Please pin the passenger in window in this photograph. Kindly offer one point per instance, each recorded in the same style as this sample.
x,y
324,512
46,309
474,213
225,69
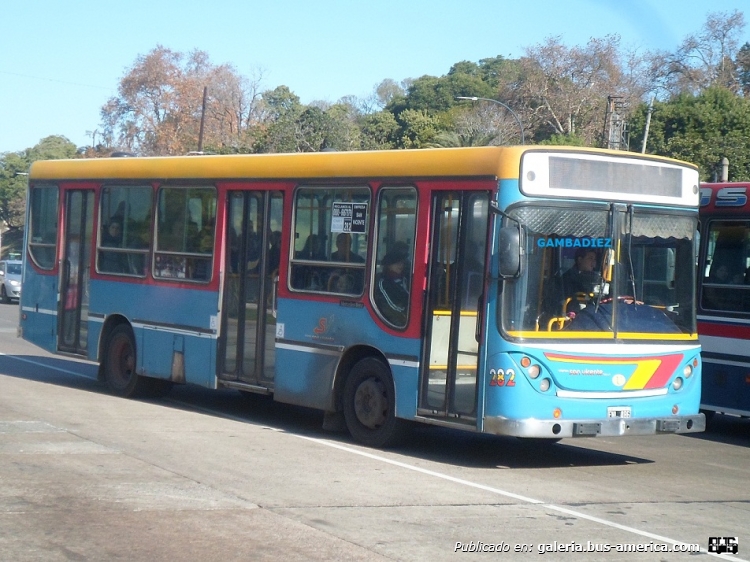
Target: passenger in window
x,y
112,262
392,288
344,250
309,277
206,237
355,278
112,235
725,277
313,249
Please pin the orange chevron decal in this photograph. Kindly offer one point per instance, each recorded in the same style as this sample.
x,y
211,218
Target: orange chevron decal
x,y
648,372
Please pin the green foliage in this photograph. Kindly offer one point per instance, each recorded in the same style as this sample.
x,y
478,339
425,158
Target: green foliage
x,y
451,139
564,140
435,95
417,128
14,168
54,147
702,129
379,131
290,126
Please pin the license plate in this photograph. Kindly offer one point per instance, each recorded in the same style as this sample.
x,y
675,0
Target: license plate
x,y
618,412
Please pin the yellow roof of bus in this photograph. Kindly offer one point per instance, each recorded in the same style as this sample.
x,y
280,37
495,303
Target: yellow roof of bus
x,y
494,162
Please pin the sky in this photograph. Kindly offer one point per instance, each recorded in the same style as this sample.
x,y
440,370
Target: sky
x,y
61,61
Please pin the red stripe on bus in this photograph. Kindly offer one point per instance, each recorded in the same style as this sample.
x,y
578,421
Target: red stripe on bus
x,y
723,330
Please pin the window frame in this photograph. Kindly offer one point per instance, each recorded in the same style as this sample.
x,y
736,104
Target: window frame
x,y
124,250
186,260
735,294
328,272
378,255
31,244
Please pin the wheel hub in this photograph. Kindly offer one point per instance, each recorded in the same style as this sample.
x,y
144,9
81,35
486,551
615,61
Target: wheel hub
x,y
371,403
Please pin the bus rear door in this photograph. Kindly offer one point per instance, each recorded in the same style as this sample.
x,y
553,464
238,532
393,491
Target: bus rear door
x,y
73,304
253,239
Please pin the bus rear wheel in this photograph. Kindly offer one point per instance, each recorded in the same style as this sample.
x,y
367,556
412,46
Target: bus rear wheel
x,y
120,363
370,405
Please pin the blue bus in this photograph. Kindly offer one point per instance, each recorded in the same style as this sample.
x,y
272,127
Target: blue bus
x,y
724,297
535,292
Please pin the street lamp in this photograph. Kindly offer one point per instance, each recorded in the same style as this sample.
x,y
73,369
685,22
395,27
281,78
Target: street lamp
x,y
513,113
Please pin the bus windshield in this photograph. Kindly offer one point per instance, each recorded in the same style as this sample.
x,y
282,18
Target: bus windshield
x,y
611,271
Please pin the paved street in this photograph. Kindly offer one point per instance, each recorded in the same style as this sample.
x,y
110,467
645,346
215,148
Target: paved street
x,y
206,475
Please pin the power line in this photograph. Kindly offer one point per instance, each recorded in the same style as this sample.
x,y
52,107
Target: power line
x,y
55,80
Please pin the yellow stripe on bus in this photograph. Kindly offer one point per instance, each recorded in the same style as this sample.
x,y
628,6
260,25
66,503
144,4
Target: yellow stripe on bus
x,y
448,313
490,162
603,335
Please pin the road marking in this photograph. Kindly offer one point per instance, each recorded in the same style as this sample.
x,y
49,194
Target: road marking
x,y
505,493
475,485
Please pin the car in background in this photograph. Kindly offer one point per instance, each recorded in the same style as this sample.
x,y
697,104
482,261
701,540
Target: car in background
x,y
10,280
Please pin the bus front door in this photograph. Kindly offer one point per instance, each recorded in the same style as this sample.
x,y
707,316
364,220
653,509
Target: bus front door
x,y
253,243
73,302
448,386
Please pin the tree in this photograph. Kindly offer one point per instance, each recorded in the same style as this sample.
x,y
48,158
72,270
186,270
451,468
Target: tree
x,y
702,129
378,131
563,91
704,59
14,168
158,109
743,69
417,128
483,123
276,127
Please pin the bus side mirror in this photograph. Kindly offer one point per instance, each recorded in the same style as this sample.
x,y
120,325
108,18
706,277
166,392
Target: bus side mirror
x,y
509,251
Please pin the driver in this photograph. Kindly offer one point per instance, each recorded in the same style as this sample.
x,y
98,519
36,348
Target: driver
x,y
582,277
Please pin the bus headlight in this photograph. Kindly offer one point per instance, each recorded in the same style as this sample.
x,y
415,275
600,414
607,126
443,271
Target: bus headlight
x,y
544,385
677,384
534,371
687,371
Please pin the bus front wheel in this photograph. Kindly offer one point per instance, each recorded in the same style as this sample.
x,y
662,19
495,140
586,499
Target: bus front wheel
x,y
120,362
370,405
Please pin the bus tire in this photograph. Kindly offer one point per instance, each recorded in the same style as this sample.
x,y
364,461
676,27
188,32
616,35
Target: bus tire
x,y
120,362
370,405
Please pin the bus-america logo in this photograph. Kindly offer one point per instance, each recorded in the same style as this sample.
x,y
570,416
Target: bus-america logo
x,y
574,242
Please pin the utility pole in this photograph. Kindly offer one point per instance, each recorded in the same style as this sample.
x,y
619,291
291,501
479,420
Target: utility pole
x,y
203,119
648,124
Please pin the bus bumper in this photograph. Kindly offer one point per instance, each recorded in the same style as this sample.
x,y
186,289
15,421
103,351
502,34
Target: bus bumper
x,y
557,429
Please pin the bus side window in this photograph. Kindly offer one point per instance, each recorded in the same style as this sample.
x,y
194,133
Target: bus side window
x,y
394,254
725,281
185,233
124,240
42,240
326,218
